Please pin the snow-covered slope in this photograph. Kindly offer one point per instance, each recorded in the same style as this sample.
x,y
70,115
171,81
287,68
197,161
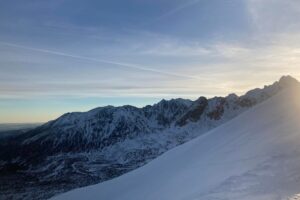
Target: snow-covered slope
x,y
84,148
256,156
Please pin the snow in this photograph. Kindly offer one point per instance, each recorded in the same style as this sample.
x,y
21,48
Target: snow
x,y
255,156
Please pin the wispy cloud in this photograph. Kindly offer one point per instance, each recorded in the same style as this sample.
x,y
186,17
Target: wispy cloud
x,y
274,16
120,64
175,49
177,9
207,50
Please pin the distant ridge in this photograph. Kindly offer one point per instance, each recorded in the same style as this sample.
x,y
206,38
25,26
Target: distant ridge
x,y
17,126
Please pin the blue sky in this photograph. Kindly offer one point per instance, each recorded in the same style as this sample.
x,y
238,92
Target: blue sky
x,y
59,56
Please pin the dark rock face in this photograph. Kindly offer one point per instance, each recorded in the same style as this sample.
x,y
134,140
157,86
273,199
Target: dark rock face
x,y
166,112
246,102
219,109
195,112
80,149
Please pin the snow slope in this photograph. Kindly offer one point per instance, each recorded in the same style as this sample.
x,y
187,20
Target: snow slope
x,y
255,156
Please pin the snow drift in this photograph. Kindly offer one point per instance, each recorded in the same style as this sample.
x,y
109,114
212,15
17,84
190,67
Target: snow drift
x,y
255,156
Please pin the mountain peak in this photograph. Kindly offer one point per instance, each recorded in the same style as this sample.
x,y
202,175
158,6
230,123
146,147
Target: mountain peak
x,y
288,81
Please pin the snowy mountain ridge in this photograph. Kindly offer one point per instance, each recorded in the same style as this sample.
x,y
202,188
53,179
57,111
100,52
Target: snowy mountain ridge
x,y
255,156
79,149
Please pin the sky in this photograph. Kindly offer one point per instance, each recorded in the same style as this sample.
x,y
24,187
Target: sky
x,y
71,55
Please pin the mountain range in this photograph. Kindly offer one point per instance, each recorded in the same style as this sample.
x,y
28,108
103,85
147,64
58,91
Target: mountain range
x,y
255,156
84,148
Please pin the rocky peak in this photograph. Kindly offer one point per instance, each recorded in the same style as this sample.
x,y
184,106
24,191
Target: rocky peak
x,y
287,81
165,112
194,112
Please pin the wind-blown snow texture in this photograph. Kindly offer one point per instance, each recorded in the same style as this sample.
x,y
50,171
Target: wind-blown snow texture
x,y
256,156
80,149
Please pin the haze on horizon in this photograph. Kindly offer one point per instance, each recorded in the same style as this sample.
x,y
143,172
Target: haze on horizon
x,y
60,56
